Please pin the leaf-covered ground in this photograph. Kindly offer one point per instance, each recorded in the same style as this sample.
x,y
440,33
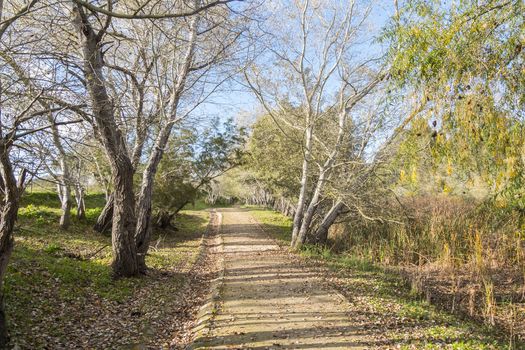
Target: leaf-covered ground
x,y
396,317
59,293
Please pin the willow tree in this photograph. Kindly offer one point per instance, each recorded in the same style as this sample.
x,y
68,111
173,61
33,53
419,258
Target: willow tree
x,y
467,59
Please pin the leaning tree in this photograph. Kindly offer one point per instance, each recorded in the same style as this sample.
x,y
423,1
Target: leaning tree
x,y
321,75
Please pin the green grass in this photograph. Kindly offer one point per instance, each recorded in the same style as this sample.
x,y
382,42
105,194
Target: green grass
x,y
279,225
418,325
55,275
44,207
200,204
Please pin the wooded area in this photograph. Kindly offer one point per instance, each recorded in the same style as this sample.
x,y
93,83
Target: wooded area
x,y
391,134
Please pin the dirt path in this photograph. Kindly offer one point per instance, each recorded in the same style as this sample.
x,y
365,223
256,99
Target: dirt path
x,y
267,301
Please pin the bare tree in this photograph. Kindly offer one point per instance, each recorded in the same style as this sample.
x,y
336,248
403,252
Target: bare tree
x,y
63,178
146,190
210,42
14,118
64,61
199,53
123,229
314,66
137,99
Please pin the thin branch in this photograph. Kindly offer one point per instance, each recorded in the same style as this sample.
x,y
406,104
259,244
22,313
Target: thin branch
x,y
111,13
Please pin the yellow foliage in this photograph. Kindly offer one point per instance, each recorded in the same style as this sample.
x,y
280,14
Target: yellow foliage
x,y
449,167
413,175
511,167
446,254
478,251
402,176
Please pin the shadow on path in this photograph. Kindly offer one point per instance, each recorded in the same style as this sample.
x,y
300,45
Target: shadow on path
x,y
267,301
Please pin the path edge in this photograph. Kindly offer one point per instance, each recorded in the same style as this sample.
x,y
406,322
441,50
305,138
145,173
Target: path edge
x,y
204,318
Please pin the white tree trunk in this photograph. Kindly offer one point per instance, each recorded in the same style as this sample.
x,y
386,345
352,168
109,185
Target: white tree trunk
x,y
310,211
297,220
79,198
323,176
64,193
321,234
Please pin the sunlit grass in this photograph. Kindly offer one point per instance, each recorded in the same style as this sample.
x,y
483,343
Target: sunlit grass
x,y
277,224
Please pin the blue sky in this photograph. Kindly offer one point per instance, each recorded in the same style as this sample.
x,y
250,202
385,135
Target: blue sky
x,y
236,101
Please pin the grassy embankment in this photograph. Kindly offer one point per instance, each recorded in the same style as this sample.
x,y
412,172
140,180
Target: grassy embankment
x,y
59,292
412,322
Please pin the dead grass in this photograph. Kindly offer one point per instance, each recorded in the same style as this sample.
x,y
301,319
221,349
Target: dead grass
x,y
463,255
416,292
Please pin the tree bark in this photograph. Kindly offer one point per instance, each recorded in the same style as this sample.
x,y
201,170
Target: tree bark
x,y
64,193
323,176
105,218
321,234
180,207
8,217
143,230
297,220
164,219
123,228
310,211
81,205
64,188
144,202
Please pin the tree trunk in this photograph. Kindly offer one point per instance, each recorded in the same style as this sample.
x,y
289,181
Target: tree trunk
x,y
181,207
290,210
8,216
81,205
64,188
321,234
64,193
305,225
144,203
323,176
297,220
7,222
143,230
143,209
105,218
123,229
310,211
164,219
